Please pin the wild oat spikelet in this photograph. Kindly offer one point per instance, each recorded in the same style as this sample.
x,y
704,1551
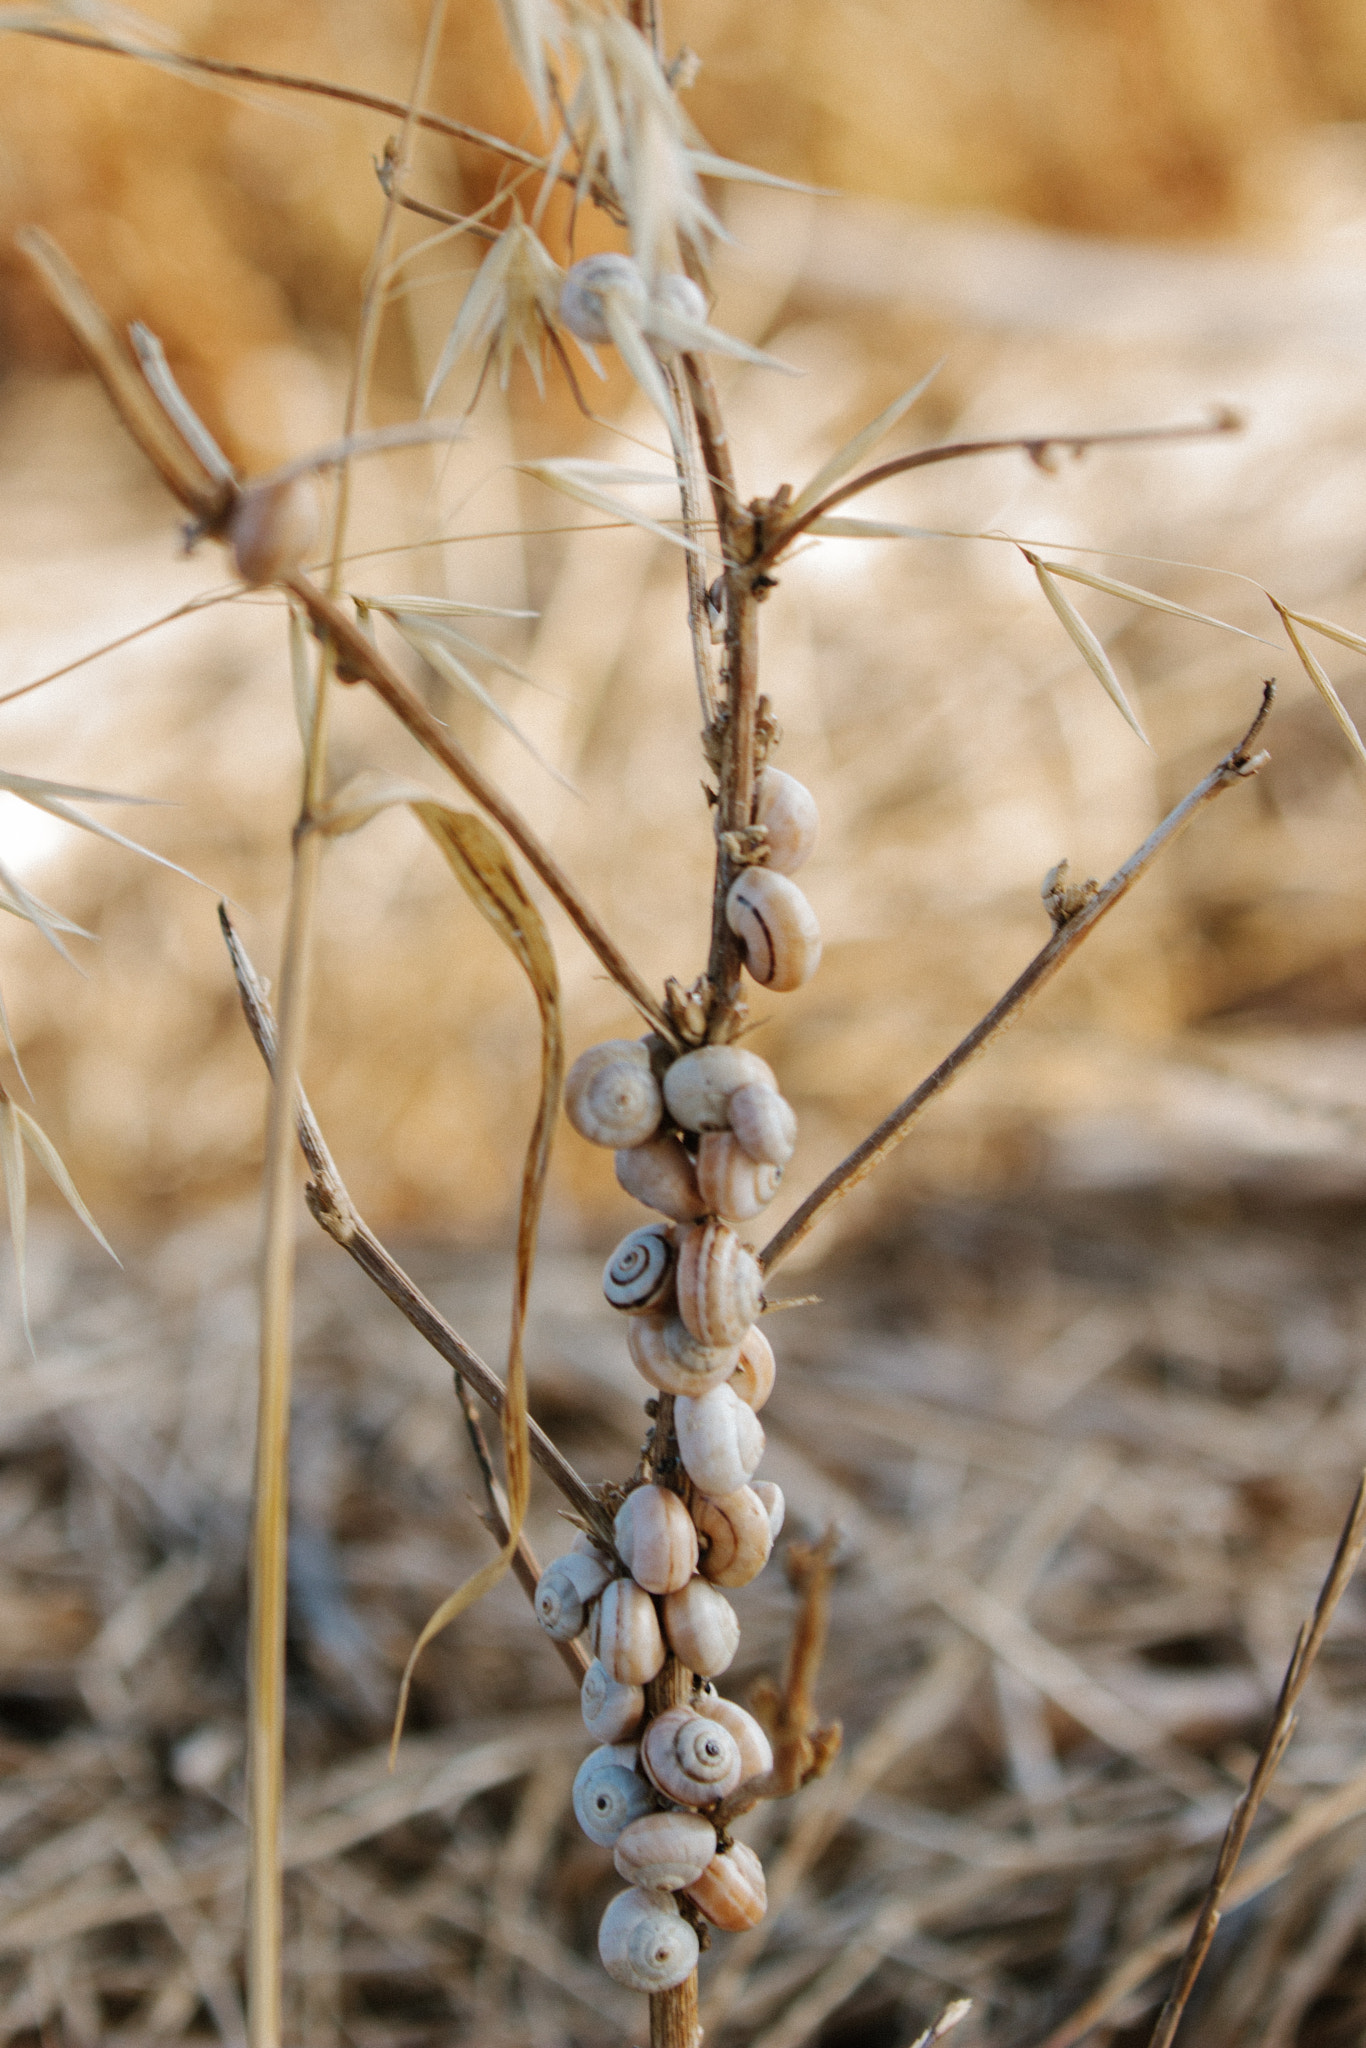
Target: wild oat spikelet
x,y
513,299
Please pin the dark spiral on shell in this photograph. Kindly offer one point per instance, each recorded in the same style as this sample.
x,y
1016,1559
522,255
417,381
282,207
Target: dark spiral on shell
x,y
640,1273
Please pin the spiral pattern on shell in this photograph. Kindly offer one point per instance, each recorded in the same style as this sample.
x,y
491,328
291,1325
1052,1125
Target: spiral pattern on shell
x,y
733,1184
645,1943
731,1891
764,1123
690,1759
756,1751
736,1531
664,1851
639,1276
609,1792
719,1281
611,1711
756,1370
719,1440
611,1095
776,927
565,1590
665,1352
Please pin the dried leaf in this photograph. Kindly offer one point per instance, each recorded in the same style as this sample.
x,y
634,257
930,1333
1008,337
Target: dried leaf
x,y
852,453
1318,676
1086,643
571,477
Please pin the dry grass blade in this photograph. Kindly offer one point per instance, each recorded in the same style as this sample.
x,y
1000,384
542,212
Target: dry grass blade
x,y
575,479
1133,593
1319,677
1086,644
17,1129
863,443
441,646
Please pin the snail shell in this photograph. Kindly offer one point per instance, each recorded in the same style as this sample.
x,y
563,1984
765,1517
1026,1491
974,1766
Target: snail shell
x,y
737,1536
660,1174
764,1123
776,927
645,1943
720,1440
565,1591
698,1087
702,1627
756,1751
753,1377
774,1504
731,1891
665,1851
640,1273
626,1636
720,1283
611,1095
787,811
665,1352
675,293
656,1540
732,1183
609,1792
581,294
689,1758
272,528
611,1711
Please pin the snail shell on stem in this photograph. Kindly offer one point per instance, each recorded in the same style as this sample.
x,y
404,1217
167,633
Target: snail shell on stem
x,y
732,1183
565,1591
764,1123
731,1891
774,1504
665,1352
611,1095
609,1792
639,1276
645,1943
756,1751
585,282
719,1281
689,1758
272,528
737,1536
702,1627
611,1711
776,927
698,1087
720,1440
756,1371
626,1636
787,811
656,1539
660,1174
664,1851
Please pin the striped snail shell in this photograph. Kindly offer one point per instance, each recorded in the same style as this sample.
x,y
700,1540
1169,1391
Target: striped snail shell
x,y
720,1283
611,1095
737,1537
272,528
732,1183
756,1751
665,1352
611,1711
764,1123
645,1943
660,1174
753,1377
787,811
731,1892
565,1591
702,1627
698,1087
640,1273
776,927
665,1851
774,1504
609,1792
719,1440
690,1759
584,287
656,1539
626,1636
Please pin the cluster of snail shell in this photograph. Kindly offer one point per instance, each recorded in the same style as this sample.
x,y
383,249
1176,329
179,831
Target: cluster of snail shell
x,y
702,1138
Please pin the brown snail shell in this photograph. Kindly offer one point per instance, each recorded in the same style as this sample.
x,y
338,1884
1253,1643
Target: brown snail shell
x,y
702,1627
665,1352
612,1712
698,1087
774,1504
660,1174
731,1892
719,1281
639,1276
566,1590
664,1851
737,1536
611,1095
753,1377
720,1440
776,927
609,1792
756,1751
764,1122
656,1539
626,1637
273,527
645,1943
733,1184
787,811
690,1759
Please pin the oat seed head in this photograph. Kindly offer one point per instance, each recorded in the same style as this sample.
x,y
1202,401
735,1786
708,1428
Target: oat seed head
x,y
514,297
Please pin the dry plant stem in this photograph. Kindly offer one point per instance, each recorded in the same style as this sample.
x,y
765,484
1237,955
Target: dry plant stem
x,y
1069,934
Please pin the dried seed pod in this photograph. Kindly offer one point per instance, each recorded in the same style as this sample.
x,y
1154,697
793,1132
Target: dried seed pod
x,y
660,1174
611,1711
731,1892
774,1504
586,282
656,1540
626,1636
665,1352
764,1123
737,1537
565,1591
753,1377
664,1851
698,1087
719,1281
719,1440
787,811
645,1943
609,1792
776,927
732,1183
690,1759
756,1751
639,1276
702,1627
273,527
611,1095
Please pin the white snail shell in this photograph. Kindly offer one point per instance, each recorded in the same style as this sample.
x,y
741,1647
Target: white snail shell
x,y
675,293
565,1591
611,1711
664,1851
731,1891
665,1352
626,1637
719,1281
787,811
702,1627
732,1183
645,1943
720,1440
775,1505
756,1751
611,1095
689,1758
581,294
753,1377
660,1174
776,927
737,1535
764,1123
272,528
609,1792
656,1539
639,1276
698,1087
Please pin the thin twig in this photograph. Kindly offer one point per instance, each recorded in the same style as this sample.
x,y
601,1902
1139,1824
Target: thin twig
x,y
1070,931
